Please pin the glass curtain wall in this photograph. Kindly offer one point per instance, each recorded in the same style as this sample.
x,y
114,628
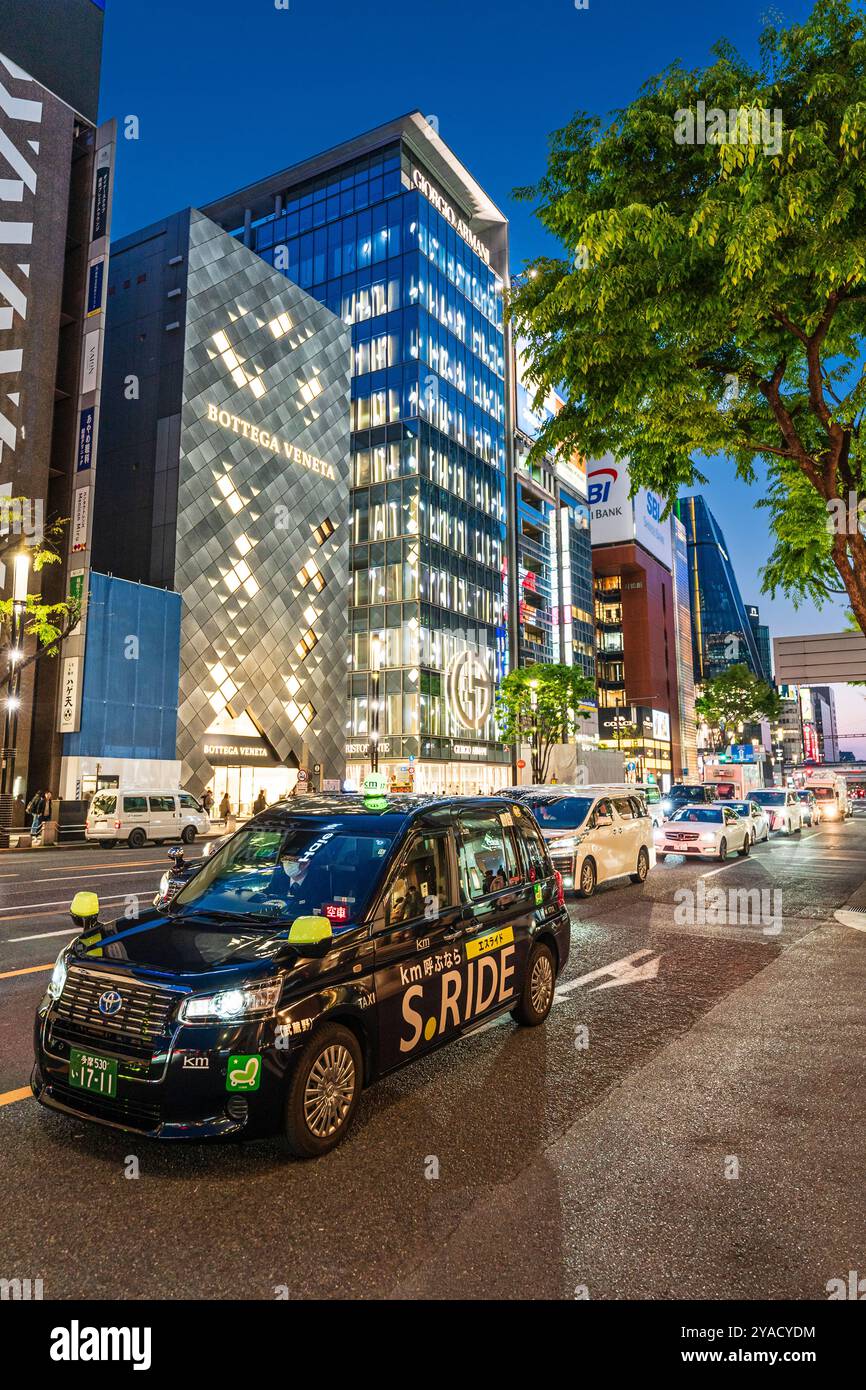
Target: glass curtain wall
x,y
428,442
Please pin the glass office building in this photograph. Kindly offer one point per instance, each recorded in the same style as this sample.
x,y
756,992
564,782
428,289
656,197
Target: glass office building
x,y
722,634
392,233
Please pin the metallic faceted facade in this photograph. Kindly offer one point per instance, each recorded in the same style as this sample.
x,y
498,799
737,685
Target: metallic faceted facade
x,y
262,493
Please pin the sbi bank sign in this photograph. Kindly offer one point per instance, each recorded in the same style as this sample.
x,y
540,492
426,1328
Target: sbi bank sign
x,y
616,518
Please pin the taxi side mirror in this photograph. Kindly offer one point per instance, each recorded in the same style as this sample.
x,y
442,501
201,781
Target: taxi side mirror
x,y
310,931
84,909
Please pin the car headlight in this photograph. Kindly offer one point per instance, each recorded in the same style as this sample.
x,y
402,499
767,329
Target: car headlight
x,y
708,837
247,1001
58,976
163,884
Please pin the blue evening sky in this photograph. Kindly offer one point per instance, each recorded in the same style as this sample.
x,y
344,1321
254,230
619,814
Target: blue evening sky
x,y
227,91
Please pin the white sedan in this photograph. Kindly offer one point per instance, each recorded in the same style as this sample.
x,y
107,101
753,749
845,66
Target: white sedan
x,y
754,815
784,811
709,832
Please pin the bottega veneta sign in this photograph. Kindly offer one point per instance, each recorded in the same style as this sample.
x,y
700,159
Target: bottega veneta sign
x,y
272,442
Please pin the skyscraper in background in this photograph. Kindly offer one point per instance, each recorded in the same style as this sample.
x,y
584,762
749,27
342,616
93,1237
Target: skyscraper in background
x,y
56,211
722,633
552,542
392,233
762,639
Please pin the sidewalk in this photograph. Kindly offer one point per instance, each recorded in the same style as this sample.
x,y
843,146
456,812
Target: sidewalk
x,y
633,1200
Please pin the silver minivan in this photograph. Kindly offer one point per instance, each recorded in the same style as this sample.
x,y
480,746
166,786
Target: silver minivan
x,y
134,816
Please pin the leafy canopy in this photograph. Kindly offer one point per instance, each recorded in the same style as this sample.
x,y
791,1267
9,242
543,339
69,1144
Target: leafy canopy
x,y
712,299
540,705
736,697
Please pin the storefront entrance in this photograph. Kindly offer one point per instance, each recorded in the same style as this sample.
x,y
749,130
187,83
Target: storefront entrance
x,y
243,785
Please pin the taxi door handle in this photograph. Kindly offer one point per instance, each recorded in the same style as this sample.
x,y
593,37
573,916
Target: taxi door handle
x,y
452,935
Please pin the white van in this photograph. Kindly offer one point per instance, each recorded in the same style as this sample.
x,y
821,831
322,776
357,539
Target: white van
x,y
831,793
125,813
594,833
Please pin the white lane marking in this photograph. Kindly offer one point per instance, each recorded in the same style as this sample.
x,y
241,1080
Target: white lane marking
x,y
112,873
40,935
61,902
625,972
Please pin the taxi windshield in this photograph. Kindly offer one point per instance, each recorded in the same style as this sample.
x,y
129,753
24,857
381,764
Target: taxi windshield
x,y
698,813
769,798
322,870
567,813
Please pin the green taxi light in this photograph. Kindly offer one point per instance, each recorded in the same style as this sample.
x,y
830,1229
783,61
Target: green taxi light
x,y
309,931
375,791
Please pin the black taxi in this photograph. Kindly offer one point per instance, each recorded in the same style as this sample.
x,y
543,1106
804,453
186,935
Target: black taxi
x,y
329,941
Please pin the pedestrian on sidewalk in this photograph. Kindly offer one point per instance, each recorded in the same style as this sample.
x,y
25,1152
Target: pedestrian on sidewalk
x,y
260,803
225,807
35,808
207,801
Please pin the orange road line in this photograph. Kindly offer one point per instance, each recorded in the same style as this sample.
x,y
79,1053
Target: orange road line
x,y
28,970
9,1097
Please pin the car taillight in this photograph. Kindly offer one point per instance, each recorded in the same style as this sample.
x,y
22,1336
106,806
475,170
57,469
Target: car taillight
x,y
560,891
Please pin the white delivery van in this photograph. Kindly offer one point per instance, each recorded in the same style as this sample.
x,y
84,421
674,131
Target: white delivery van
x,y
831,793
133,816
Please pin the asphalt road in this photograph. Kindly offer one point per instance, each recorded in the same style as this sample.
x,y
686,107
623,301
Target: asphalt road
x,y
687,1124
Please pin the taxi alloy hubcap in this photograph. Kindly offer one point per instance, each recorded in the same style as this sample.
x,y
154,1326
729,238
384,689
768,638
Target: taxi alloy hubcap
x,y
329,1090
586,883
541,984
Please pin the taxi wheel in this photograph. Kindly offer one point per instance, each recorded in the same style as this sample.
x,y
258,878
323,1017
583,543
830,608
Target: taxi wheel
x,y
588,879
747,845
188,834
323,1092
136,838
538,987
723,849
642,868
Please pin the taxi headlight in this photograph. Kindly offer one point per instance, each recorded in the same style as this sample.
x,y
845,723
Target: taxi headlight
x,y
708,836
58,976
163,884
248,1001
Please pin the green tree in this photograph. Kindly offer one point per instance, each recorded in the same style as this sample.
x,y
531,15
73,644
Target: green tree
x,y
48,623
734,698
540,705
713,296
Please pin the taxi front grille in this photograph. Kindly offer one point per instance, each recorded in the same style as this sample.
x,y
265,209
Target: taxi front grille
x,y
679,835
134,1114
141,1018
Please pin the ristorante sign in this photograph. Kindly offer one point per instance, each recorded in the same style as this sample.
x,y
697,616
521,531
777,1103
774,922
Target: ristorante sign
x,y
270,442
444,208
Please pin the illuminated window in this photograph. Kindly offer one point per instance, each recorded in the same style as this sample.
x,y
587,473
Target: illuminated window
x,y
280,325
306,644
311,574
300,715
310,390
324,530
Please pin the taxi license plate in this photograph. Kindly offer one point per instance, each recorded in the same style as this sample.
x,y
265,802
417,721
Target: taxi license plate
x,y
91,1072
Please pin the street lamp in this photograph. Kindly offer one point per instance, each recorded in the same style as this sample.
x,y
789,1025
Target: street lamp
x,y
20,580
375,681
